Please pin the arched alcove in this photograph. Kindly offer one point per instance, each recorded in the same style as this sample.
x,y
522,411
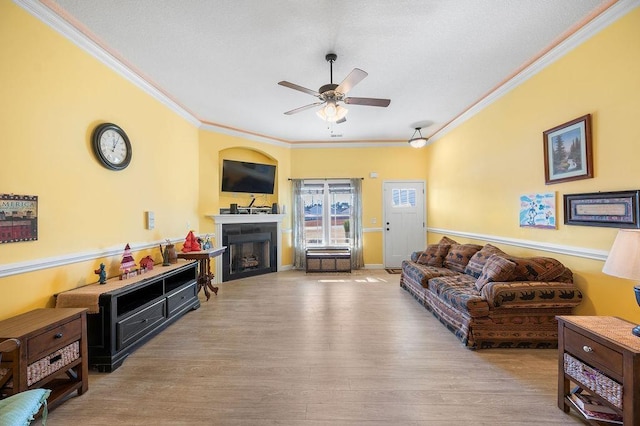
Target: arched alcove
x,y
246,198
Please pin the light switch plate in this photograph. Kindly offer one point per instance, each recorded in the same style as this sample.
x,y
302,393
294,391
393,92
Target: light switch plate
x,y
151,220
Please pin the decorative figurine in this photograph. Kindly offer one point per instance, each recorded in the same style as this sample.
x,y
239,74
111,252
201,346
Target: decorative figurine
x,y
128,264
169,254
190,243
102,274
146,264
207,243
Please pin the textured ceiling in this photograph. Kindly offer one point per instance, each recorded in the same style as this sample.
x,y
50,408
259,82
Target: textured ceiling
x,y
222,60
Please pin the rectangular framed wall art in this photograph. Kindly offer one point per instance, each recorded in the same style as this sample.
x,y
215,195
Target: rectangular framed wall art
x,y
18,218
538,210
613,209
567,151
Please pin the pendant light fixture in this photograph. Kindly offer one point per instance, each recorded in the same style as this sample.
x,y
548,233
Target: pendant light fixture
x,y
417,142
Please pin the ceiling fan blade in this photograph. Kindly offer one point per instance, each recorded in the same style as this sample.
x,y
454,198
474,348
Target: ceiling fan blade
x,y
303,108
368,101
342,120
354,77
299,88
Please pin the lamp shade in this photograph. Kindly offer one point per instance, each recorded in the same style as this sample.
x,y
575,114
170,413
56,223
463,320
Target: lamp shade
x,y
332,111
419,141
624,257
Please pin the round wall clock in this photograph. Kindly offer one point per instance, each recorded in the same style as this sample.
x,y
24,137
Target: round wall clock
x,y
111,146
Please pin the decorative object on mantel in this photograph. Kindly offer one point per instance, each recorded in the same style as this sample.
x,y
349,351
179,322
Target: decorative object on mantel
x,y
619,209
102,274
128,264
567,151
624,261
538,210
191,243
18,218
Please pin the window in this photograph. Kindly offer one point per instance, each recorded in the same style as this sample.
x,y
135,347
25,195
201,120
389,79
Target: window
x,y
404,197
327,212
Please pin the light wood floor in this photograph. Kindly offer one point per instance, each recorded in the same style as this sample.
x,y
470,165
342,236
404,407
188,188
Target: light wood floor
x,y
319,349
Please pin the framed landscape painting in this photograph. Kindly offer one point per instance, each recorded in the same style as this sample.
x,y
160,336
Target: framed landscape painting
x,y
567,151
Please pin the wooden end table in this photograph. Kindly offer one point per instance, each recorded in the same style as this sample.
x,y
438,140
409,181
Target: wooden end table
x,y
205,276
608,354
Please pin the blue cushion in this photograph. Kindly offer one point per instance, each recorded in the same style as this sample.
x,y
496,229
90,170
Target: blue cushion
x,y
20,409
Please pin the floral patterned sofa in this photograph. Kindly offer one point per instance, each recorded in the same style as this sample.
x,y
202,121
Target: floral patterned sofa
x,y
488,298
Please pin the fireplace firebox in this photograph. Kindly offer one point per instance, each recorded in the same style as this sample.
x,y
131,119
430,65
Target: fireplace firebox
x,y
251,250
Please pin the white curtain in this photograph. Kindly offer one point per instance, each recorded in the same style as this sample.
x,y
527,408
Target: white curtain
x,y
299,245
357,257
298,225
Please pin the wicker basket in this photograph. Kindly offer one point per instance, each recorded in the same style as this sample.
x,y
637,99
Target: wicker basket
x,y
594,380
53,362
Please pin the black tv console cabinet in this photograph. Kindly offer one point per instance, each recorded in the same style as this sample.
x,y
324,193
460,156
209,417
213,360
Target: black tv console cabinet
x,y
131,311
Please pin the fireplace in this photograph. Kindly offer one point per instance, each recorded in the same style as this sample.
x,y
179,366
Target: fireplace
x,y
247,230
251,250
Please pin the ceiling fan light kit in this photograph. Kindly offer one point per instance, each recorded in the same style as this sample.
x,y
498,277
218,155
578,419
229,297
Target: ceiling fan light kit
x,y
332,94
417,142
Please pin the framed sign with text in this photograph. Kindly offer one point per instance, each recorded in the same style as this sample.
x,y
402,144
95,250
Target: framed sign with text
x,y
614,209
18,218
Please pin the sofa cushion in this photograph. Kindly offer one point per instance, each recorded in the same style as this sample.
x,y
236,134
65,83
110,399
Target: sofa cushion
x,y
434,255
477,261
423,273
536,268
459,255
531,294
447,241
459,292
496,268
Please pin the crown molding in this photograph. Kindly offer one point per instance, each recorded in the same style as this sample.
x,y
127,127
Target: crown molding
x,y
57,23
612,14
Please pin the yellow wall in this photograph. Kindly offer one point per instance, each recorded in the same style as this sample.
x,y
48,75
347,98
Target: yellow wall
x,y
52,96
498,155
213,148
390,163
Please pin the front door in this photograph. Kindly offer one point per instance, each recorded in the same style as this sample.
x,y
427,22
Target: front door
x,y
405,225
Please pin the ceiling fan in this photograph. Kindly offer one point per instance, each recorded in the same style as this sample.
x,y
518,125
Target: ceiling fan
x,y
332,94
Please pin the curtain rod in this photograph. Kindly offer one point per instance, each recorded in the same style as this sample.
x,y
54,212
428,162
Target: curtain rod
x,y
332,178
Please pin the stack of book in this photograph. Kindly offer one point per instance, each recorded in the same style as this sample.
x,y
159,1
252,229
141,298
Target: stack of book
x,y
592,408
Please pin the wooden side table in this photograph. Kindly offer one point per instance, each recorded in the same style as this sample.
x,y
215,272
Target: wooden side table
x,y
52,352
205,276
599,354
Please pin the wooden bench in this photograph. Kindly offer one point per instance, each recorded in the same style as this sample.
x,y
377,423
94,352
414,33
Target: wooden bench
x,y
328,259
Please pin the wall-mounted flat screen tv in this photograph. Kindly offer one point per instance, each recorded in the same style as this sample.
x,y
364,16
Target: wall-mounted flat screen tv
x,y
253,178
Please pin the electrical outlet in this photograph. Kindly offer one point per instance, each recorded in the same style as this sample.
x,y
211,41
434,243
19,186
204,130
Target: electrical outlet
x,y
374,220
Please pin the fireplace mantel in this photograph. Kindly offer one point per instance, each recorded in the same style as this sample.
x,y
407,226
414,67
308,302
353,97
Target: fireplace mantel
x,y
224,219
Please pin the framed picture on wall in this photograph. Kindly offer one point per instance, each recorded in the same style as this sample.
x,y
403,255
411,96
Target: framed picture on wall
x,y
567,151
619,209
18,218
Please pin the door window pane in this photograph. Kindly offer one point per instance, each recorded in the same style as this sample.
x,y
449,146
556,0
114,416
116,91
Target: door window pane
x,y
403,197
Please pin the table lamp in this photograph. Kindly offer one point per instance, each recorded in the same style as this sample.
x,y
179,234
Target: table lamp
x,y
624,261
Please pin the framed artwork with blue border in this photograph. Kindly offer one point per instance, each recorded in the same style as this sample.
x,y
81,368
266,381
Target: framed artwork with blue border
x,y
617,209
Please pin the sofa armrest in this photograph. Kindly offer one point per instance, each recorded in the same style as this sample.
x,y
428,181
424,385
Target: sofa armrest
x,y
531,294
